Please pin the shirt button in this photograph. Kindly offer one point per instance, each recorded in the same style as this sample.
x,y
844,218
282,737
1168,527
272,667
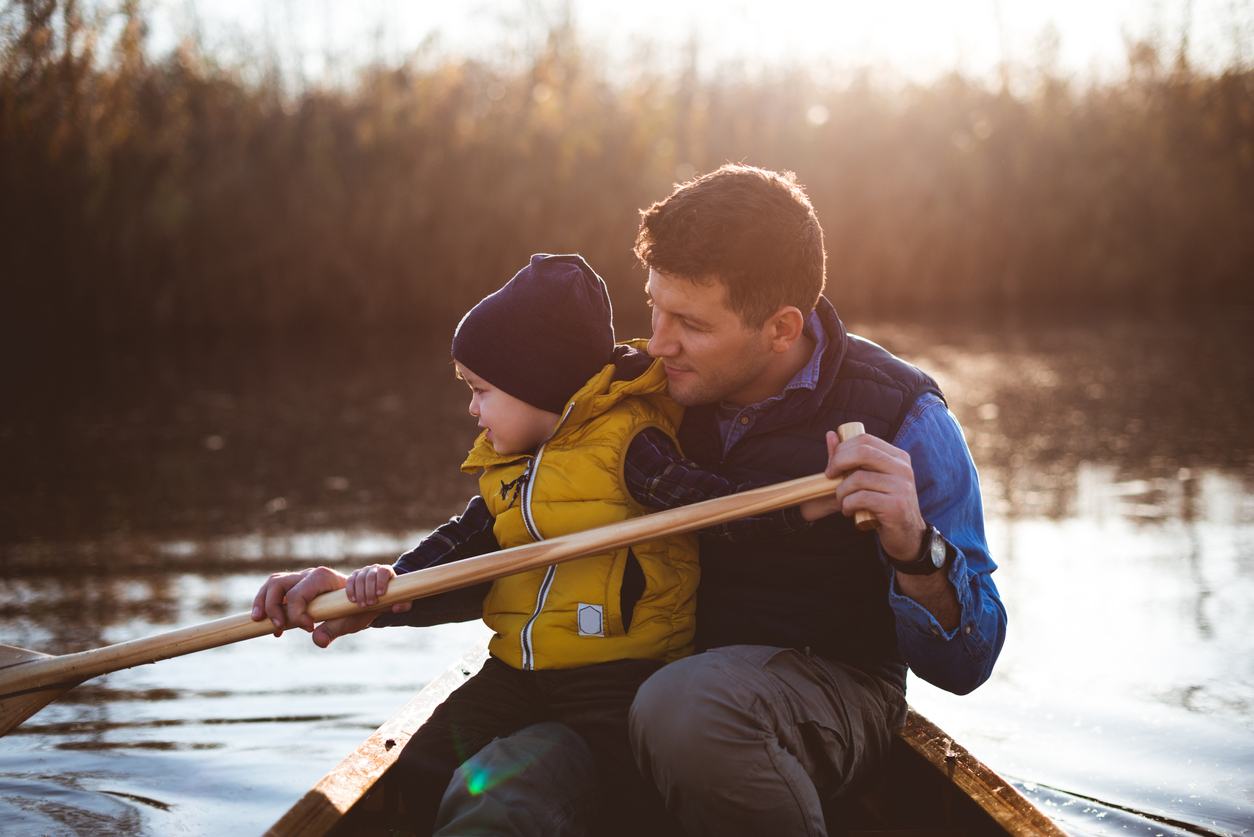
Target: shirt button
x,y
744,419
967,629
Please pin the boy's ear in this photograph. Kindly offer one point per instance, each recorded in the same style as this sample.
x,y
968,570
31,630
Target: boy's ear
x,y
785,327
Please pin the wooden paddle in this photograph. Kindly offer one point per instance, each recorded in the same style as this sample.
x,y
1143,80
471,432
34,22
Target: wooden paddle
x,y
30,680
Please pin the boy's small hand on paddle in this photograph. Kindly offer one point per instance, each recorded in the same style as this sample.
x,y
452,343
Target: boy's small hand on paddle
x,y
366,585
880,479
363,588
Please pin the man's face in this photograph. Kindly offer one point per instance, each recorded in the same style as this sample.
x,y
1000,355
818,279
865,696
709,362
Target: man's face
x,y
710,355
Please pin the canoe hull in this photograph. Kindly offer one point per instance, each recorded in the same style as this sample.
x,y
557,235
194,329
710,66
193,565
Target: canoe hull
x,y
931,786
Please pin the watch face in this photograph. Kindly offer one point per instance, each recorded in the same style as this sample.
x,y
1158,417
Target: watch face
x,y
937,552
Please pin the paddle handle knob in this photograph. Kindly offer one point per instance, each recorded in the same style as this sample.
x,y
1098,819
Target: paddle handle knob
x,y
864,520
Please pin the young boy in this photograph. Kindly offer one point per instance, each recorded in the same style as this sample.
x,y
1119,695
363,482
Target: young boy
x,y
577,433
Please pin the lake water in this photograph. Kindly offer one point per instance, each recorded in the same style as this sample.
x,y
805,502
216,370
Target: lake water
x,y
145,489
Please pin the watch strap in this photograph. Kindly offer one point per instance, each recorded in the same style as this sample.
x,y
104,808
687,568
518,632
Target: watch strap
x,y
922,563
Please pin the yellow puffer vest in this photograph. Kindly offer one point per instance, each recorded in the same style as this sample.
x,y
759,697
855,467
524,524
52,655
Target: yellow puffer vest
x,y
571,614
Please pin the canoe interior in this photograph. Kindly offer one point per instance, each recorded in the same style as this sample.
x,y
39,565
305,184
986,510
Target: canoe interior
x,y
930,788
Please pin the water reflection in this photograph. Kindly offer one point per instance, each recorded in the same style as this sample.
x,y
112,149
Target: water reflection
x,y
53,807
218,742
138,745
145,490
203,440
110,451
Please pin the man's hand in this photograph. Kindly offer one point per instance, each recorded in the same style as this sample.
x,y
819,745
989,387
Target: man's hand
x,y
284,598
821,507
878,479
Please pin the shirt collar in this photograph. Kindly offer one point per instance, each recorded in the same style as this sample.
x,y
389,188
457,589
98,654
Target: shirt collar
x,y
807,377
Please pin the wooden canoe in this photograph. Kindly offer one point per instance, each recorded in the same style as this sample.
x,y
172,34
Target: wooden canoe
x,y
932,787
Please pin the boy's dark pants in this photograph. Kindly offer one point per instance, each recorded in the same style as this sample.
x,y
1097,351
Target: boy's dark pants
x,y
499,700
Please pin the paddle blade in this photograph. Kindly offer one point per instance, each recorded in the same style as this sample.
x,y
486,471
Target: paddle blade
x,y
16,708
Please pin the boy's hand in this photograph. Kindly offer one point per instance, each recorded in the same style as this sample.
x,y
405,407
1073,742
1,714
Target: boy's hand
x,y
366,585
363,587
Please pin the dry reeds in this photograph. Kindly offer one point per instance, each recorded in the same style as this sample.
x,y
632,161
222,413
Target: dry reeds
x,y
146,194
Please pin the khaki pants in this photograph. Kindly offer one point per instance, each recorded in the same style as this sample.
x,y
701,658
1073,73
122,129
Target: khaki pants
x,y
751,739
745,739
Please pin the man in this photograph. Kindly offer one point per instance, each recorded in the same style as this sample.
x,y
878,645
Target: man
x,y
804,638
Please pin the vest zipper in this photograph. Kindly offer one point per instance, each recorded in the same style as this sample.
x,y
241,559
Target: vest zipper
x,y
528,648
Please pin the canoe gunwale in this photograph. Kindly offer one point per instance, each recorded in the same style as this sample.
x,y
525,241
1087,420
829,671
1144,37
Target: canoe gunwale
x,y
1013,812
325,804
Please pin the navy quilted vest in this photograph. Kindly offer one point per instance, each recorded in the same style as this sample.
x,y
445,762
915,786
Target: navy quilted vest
x,y
824,588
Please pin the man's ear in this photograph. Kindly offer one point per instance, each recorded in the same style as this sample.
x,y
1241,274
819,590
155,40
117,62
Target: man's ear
x,y
785,327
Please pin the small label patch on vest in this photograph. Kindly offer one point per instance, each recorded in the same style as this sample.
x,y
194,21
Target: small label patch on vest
x,y
591,619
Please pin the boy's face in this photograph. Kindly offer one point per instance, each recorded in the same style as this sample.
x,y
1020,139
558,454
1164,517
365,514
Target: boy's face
x,y
709,354
512,426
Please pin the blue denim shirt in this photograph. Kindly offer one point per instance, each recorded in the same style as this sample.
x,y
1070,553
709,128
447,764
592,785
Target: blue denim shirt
x,y
949,498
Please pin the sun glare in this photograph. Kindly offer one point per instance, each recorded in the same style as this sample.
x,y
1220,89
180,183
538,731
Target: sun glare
x,y
911,39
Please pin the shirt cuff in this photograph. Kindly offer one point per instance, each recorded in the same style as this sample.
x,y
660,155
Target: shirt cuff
x,y
919,619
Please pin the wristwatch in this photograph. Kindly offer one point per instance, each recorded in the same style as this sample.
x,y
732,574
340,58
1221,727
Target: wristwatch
x,y
933,555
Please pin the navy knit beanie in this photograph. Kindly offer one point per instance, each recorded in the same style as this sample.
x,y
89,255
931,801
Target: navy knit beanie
x,y
543,335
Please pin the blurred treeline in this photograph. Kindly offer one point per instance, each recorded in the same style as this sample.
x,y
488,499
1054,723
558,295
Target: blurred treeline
x,y
144,193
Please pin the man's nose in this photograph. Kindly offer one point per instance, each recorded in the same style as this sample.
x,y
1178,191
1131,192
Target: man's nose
x,y
661,344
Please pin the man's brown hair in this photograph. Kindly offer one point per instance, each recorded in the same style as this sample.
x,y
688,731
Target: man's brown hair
x,y
752,229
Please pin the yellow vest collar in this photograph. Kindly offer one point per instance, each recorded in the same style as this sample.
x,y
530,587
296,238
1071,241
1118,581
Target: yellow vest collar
x,y
594,398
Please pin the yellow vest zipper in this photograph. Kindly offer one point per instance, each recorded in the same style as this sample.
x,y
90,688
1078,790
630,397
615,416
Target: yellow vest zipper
x,y
528,649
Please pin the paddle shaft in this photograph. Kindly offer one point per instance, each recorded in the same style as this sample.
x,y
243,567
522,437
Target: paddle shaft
x,y
70,669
